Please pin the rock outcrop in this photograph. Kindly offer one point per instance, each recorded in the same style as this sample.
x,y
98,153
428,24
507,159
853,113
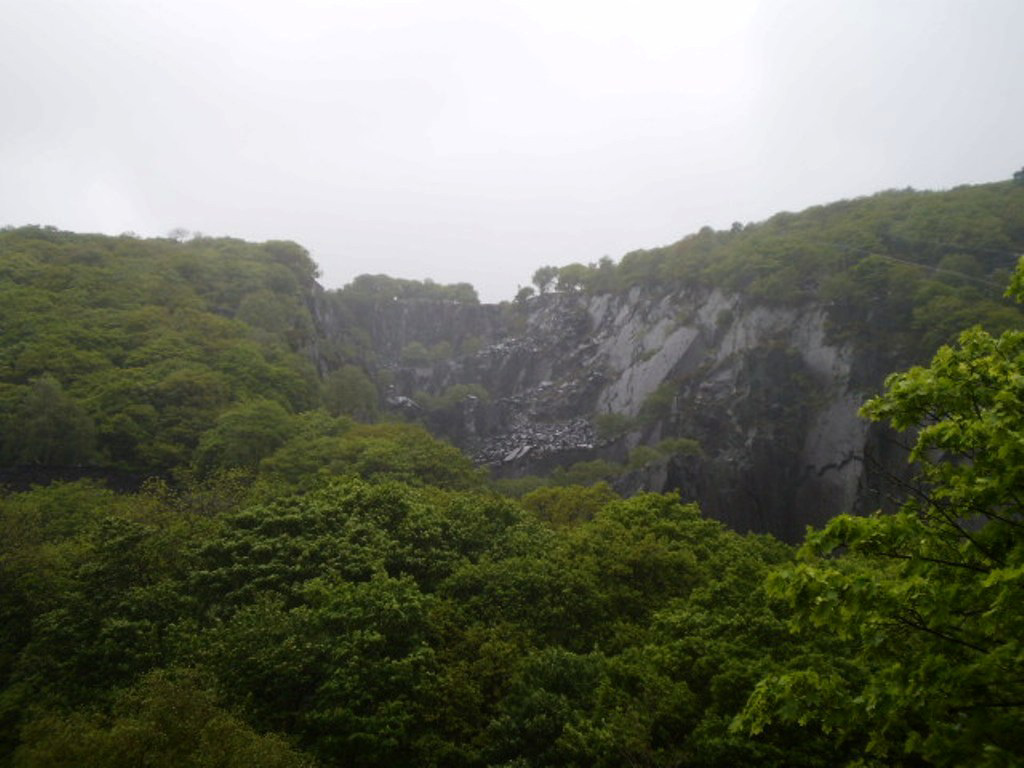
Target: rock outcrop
x,y
566,377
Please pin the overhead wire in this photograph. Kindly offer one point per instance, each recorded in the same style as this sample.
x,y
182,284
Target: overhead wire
x,y
953,247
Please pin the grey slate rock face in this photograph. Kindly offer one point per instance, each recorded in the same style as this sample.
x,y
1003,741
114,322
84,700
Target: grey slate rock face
x,y
771,401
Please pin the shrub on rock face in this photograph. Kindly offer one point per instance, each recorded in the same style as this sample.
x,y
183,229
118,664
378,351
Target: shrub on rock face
x,y
349,391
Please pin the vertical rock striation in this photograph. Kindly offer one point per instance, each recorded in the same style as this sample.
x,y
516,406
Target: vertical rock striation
x,y
769,399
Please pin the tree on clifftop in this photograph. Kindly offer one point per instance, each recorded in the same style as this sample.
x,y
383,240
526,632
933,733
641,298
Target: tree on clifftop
x,y
543,278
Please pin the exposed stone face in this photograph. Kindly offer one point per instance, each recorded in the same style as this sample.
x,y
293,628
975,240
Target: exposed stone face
x,y
770,400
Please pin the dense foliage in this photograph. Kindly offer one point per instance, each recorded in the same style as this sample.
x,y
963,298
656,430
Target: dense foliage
x,y
124,352
301,583
149,355
900,272
928,601
376,623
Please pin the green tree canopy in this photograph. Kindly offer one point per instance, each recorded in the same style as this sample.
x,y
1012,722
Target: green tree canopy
x,y
544,277
930,600
349,391
244,434
49,427
167,720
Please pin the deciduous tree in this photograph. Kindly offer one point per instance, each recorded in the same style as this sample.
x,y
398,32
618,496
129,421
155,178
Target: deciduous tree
x,y
929,600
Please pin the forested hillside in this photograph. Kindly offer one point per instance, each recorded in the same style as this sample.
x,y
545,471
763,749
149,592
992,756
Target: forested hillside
x,y
154,356
296,572
728,367
912,267
124,352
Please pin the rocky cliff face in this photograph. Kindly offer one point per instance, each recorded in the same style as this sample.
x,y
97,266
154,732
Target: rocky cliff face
x,y
570,377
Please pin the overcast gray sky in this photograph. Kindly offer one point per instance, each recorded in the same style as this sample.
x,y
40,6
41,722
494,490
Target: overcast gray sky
x,y
476,141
